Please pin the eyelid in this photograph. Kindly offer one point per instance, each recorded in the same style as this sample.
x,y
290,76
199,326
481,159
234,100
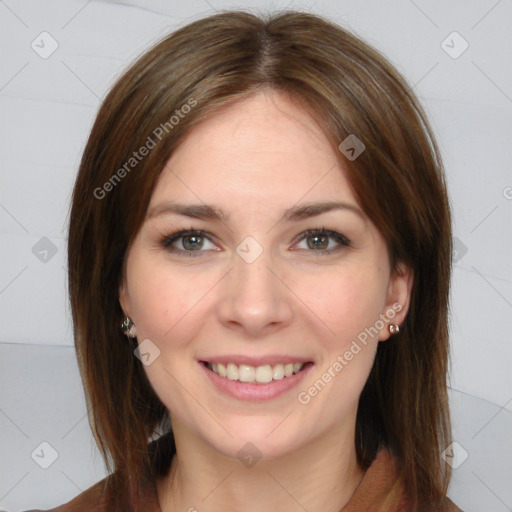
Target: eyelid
x,y
323,231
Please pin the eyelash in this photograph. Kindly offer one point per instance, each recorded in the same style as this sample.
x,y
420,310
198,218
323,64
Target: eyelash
x,y
167,240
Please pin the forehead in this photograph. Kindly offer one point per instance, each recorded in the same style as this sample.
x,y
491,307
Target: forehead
x,y
262,148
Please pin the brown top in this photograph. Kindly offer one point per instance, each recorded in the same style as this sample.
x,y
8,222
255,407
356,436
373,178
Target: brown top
x,y
379,491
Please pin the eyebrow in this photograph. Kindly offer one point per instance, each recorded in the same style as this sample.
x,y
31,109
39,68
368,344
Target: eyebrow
x,y
204,211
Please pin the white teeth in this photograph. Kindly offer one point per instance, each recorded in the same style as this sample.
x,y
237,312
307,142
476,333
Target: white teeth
x,y
278,372
232,371
264,373
246,373
260,374
221,370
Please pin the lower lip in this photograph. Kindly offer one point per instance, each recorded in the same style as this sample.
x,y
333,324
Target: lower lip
x,y
255,392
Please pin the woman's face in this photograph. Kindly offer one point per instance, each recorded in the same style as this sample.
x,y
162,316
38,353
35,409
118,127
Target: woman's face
x,y
253,289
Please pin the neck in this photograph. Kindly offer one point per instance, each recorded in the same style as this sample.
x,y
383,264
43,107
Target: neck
x,y
319,477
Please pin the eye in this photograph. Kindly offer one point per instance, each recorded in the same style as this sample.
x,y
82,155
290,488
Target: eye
x,y
319,241
191,241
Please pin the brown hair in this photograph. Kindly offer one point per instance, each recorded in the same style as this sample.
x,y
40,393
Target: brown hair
x,y
398,180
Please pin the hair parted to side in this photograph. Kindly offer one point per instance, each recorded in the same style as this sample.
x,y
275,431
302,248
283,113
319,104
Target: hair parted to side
x,y
349,88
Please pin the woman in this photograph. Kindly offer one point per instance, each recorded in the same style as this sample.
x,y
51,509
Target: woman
x,y
259,264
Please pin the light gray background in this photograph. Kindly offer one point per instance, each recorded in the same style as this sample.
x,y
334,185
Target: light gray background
x,y
47,106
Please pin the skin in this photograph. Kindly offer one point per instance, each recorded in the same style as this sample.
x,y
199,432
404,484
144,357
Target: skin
x,y
257,158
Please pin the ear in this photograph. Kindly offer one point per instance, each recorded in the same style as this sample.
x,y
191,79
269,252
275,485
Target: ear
x,y
398,299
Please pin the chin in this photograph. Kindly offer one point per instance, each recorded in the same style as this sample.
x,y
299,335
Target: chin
x,y
256,439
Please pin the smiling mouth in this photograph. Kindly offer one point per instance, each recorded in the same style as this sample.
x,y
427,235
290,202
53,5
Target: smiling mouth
x,y
256,374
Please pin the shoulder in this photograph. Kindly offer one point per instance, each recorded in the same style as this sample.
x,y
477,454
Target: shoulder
x,y
382,490
92,499
112,494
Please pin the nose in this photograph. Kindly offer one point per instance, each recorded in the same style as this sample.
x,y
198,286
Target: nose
x,y
254,298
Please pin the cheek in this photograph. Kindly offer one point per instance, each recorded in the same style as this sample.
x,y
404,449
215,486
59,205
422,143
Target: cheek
x,y
160,299
163,305
347,301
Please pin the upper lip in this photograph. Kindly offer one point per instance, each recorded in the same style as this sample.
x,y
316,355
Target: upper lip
x,y
255,361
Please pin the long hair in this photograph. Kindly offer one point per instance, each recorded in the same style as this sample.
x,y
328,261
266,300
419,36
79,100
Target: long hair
x,y
349,89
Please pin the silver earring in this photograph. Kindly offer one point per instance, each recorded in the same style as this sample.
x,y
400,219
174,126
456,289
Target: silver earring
x,y
128,328
394,329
